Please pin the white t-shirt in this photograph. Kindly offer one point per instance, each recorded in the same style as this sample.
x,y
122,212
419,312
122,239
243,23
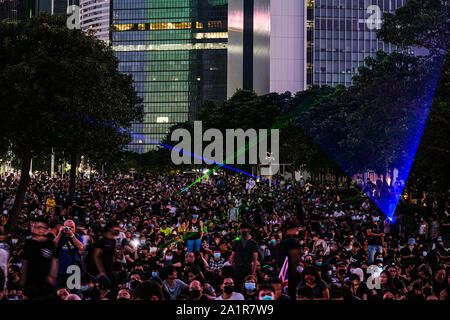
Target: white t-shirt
x,y
234,296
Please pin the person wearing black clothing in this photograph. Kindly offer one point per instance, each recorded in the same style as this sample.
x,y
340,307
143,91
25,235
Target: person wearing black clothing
x,y
375,237
244,256
312,286
39,264
290,247
103,252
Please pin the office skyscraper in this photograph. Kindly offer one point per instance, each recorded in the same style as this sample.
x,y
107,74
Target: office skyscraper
x,y
94,16
340,35
266,51
23,9
176,51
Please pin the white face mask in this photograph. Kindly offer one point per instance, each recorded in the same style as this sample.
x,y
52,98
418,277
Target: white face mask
x,y
300,269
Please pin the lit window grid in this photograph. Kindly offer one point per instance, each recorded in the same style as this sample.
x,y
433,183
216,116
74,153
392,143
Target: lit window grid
x,y
167,79
343,49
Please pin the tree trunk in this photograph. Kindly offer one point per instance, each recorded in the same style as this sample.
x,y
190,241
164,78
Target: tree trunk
x,y
73,172
20,193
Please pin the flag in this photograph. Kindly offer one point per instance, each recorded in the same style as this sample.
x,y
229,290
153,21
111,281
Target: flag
x,y
283,276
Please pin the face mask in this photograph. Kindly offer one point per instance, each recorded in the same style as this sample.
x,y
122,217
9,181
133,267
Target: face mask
x,y
267,298
155,274
129,224
103,225
329,272
121,225
14,241
318,263
143,241
195,216
250,286
168,258
376,219
273,241
216,255
300,269
195,293
85,288
228,289
262,248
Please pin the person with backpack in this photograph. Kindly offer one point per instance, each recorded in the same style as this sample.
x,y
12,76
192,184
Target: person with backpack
x,y
68,250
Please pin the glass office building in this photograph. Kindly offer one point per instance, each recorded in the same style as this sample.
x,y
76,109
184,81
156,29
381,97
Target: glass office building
x,y
340,35
176,51
94,16
22,9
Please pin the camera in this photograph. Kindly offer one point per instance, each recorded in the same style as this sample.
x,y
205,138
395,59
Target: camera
x,y
67,229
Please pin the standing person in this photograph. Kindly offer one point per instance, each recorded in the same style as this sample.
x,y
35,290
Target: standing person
x,y
39,264
4,256
244,256
375,237
290,247
102,252
68,247
195,234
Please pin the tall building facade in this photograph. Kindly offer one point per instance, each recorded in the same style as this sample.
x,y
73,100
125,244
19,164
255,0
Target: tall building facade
x,y
266,47
95,17
340,35
22,9
176,51
11,9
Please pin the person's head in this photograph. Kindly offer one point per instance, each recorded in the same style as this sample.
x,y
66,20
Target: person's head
x,y
440,274
424,271
250,285
123,294
39,227
228,286
411,243
72,296
62,293
266,292
388,296
69,225
386,279
310,275
148,290
102,283
189,257
195,289
217,253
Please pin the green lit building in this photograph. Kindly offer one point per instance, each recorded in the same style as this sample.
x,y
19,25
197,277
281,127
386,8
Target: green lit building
x,y
176,51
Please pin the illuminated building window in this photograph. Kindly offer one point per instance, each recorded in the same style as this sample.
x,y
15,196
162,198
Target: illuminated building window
x,y
215,24
212,35
141,26
162,120
199,25
123,27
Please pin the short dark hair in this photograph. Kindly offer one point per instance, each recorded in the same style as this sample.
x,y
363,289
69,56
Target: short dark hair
x,y
266,287
147,289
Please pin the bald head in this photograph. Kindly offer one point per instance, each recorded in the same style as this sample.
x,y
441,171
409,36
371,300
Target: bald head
x,y
69,223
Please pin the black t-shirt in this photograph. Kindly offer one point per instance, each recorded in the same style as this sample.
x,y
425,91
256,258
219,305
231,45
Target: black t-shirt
x,y
244,254
39,255
316,292
375,228
107,246
446,230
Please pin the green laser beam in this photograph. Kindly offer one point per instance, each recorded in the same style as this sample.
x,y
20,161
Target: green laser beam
x,y
281,123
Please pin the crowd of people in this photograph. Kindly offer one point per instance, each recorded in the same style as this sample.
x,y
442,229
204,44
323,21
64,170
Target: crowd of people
x,y
152,237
